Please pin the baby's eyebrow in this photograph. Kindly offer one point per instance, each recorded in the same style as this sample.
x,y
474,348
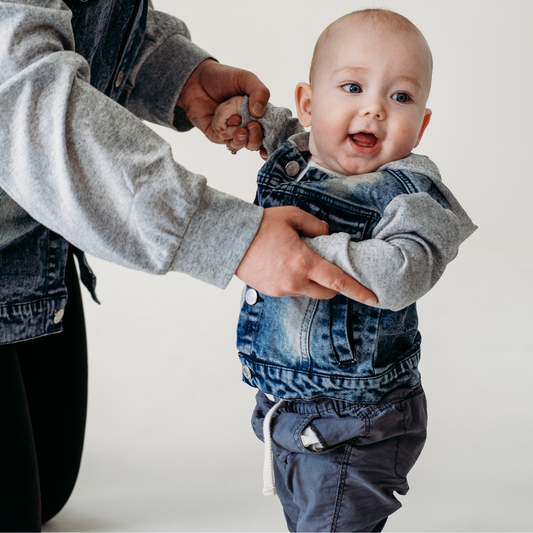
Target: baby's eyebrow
x,y
410,79
355,70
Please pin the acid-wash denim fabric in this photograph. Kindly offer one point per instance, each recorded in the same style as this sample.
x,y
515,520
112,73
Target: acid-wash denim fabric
x,y
367,452
108,34
301,348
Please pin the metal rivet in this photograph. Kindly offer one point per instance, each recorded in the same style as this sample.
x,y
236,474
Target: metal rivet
x,y
246,372
251,296
58,315
292,168
120,77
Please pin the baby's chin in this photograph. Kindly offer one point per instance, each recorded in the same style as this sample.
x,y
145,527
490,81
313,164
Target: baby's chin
x,y
349,166
354,168
361,165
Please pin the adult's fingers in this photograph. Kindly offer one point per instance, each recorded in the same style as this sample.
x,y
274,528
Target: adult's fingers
x,y
250,137
255,136
305,223
239,140
278,263
330,276
257,91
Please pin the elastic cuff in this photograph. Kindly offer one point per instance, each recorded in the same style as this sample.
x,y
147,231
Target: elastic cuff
x,y
170,65
217,238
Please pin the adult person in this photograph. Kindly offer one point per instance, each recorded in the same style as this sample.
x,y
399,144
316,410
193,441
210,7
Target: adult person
x,y
80,171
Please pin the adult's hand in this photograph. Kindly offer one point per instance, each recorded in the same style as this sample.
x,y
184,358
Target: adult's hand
x,y
278,263
211,84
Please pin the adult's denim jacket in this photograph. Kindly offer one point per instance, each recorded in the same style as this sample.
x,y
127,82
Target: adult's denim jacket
x,y
394,230
76,165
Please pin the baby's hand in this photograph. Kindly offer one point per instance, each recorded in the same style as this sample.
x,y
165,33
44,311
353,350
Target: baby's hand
x,y
226,119
226,123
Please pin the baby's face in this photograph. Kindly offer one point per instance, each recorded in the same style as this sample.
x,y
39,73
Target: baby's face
x,y
367,103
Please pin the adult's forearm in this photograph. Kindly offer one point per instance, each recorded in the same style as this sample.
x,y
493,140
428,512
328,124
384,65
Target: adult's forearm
x,y
88,169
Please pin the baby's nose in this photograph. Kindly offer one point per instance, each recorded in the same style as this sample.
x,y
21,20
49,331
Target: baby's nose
x,y
373,107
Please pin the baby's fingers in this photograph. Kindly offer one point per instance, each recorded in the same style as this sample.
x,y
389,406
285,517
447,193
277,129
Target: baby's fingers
x,y
232,125
227,134
226,117
234,120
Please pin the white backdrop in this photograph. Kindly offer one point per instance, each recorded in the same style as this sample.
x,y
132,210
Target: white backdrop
x,y
169,445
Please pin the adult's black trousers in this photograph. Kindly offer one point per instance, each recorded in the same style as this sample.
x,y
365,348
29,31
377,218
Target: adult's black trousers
x,y
43,405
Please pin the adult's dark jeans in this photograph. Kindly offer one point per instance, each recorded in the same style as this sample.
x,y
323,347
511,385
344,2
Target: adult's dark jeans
x,y
43,405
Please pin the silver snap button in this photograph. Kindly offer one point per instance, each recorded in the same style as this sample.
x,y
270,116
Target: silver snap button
x,y
120,77
292,168
58,315
246,372
251,296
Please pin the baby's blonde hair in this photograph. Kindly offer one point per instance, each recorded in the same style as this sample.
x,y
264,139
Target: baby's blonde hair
x,y
372,16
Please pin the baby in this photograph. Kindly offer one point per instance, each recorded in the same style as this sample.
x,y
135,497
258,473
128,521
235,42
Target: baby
x,y
340,403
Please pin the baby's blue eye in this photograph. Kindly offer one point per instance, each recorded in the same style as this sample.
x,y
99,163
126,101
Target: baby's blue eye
x,y
401,97
352,88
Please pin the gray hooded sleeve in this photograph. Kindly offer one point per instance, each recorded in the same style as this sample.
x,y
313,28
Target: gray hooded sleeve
x,y
90,170
411,245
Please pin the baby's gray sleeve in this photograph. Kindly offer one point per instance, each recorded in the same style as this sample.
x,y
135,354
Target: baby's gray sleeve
x,y
277,123
407,254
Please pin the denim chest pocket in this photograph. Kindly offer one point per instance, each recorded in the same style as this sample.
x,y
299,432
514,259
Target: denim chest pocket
x,y
341,216
358,227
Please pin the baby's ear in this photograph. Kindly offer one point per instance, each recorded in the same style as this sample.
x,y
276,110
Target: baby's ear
x,y
302,96
425,122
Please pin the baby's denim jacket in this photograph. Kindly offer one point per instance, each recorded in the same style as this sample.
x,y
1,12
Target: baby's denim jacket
x,y
302,348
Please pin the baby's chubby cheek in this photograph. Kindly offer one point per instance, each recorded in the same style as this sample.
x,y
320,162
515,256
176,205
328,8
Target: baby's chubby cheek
x,y
322,149
403,139
312,145
314,149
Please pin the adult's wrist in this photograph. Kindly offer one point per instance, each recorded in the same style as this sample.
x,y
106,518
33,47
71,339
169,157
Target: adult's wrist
x,y
188,92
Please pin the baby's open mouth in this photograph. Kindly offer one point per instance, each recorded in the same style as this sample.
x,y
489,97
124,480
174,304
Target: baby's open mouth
x,y
365,139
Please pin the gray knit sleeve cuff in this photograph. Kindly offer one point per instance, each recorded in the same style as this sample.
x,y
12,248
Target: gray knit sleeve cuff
x,y
217,238
164,63
160,80
277,123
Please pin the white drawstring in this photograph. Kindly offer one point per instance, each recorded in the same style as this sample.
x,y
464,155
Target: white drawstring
x,y
269,487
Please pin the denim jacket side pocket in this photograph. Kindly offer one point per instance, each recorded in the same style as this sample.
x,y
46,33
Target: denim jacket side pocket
x,y
342,337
